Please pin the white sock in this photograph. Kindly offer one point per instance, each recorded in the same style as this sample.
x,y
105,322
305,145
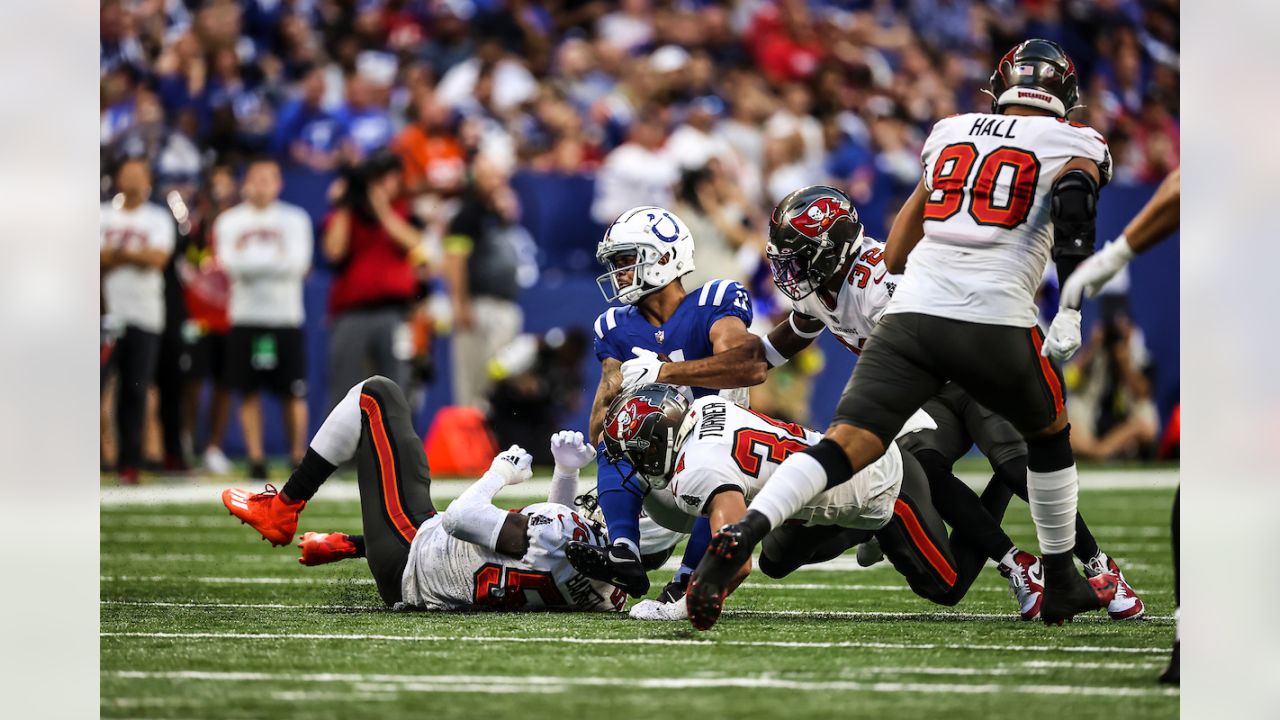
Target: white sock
x,y
628,543
797,480
1007,560
338,436
1052,496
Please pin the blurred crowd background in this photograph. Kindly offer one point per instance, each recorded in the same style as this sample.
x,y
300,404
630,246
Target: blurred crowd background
x,y
450,164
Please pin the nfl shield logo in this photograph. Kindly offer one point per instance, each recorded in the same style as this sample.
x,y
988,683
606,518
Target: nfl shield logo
x,y
659,336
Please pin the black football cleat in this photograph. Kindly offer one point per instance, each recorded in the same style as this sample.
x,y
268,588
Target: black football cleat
x,y
730,548
616,565
673,590
1172,674
1068,595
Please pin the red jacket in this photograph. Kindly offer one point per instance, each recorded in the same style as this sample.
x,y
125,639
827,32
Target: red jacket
x,y
376,271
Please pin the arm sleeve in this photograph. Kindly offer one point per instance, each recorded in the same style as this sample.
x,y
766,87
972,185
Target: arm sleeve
x,y
473,517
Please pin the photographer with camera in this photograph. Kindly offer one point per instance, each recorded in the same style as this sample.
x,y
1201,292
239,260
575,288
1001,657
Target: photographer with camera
x,y
371,241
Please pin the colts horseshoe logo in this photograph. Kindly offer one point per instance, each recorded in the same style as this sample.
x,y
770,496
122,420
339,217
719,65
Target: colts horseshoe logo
x,y
656,227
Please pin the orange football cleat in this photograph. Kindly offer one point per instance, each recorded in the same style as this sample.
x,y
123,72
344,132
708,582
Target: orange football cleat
x,y
266,512
321,548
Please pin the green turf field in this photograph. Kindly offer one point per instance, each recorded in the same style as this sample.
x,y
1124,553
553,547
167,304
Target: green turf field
x,y
202,619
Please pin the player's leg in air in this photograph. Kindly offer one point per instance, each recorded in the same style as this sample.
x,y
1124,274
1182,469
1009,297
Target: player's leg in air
x,y
371,424
962,423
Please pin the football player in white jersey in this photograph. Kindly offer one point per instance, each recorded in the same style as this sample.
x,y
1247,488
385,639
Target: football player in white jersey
x,y
712,457
472,555
1001,193
850,298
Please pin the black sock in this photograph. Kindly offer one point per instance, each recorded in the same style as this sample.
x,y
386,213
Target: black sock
x,y
957,504
358,541
309,476
1059,568
1086,544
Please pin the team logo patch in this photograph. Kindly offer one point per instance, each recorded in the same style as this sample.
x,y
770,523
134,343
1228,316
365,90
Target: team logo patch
x,y
691,499
535,520
659,336
626,423
818,217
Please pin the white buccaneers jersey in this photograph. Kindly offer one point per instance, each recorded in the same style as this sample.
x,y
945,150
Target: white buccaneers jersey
x,y
447,573
987,230
733,448
861,301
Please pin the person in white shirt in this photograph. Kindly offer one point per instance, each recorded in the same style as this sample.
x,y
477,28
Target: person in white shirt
x,y
136,241
265,247
638,172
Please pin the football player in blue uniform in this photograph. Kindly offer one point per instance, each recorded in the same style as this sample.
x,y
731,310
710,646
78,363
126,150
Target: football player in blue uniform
x,y
645,252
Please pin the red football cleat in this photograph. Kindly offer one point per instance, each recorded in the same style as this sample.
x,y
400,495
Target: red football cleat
x,y
1126,605
266,512
322,548
1026,580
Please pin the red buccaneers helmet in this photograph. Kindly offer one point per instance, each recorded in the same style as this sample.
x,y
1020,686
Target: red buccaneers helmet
x,y
1036,73
646,427
812,234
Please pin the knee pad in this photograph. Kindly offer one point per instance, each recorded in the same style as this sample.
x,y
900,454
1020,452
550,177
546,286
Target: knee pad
x,y
1049,453
833,460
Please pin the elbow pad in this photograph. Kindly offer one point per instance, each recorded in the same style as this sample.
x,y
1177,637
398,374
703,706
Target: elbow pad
x,y
1074,213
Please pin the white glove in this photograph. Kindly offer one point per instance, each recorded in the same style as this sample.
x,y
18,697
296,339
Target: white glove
x,y
1095,271
642,370
654,610
513,465
1064,336
571,452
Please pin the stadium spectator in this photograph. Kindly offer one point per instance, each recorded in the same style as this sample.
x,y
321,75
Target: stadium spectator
x,y
717,224
307,134
137,238
1113,415
481,266
365,120
372,244
265,247
635,173
433,159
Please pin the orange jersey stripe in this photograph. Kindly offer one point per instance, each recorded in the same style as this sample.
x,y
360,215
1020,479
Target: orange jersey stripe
x,y
922,541
1050,376
386,460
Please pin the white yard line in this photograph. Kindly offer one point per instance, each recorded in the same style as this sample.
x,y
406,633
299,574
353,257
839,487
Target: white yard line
x,y
811,614
207,489
637,641
544,683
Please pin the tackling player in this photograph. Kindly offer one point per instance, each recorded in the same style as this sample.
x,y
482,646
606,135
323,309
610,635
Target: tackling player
x,y
645,253
711,457
835,277
1001,193
472,554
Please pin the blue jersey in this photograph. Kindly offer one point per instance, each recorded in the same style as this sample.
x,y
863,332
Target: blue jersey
x,y
685,336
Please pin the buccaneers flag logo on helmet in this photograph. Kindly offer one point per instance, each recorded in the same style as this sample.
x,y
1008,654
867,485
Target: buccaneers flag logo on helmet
x,y
627,422
818,217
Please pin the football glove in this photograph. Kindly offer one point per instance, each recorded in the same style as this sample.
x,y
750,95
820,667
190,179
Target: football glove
x,y
1095,271
642,370
513,465
1064,335
571,453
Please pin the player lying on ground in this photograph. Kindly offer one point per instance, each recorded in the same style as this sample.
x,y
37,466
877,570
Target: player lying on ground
x,y
847,289
645,252
471,555
1001,193
711,457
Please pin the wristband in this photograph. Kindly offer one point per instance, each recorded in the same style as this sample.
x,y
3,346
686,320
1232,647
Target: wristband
x,y
791,319
771,353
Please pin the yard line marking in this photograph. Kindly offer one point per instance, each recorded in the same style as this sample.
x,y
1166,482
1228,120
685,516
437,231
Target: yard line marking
x,y
635,641
815,614
191,490
276,559
544,683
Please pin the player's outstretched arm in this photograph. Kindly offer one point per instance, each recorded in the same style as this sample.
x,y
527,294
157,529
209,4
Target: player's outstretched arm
x,y
473,516
722,509
738,360
1154,222
571,454
907,230
608,389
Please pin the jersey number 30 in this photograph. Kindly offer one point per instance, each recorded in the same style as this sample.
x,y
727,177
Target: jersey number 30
x,y
1014,169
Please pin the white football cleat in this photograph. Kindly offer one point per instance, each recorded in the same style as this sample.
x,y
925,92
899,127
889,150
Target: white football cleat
x,y
1026,580
1126,605
216,462
654,610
